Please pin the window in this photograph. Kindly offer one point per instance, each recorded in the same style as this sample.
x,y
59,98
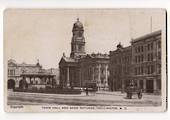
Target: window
x,y
148,57
159,69
141,58
152,69
141,48
31,82
102,71
159,44
148,69
159,55
136,60
138,70
151,56
148,46
159,83
136,50
115,60
125,59
102,80
151,46
142,70
119,60
11,72
36,82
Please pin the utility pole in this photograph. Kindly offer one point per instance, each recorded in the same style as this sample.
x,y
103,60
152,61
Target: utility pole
x,y
151,24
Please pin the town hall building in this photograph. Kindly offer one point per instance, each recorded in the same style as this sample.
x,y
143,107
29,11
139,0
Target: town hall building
x,y
81,68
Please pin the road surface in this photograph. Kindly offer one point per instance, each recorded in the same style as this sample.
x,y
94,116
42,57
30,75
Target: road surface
x,y
99,99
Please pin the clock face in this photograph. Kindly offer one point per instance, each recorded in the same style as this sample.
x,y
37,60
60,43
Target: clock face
x,y
80,33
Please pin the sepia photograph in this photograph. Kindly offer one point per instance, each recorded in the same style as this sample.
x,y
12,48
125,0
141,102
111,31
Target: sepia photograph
x,y
85,60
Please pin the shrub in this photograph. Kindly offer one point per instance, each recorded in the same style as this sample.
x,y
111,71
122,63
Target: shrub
x,y
50,90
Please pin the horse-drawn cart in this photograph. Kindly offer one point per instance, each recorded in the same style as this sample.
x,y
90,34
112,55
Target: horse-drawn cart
x,y
132,90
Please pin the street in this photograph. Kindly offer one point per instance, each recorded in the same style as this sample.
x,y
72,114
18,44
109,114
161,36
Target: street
x,y
98,99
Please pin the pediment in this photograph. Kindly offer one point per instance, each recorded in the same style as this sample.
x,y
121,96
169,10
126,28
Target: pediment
x,y
62,61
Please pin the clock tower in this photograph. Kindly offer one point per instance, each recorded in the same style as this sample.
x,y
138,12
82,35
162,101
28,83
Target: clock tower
x,y
78,40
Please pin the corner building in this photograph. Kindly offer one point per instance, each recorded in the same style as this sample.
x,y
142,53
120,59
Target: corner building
x,y
146,62
140,62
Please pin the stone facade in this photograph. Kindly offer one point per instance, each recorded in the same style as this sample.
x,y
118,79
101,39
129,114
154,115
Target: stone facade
x,y
81,68
146,62
69,72
94,69
120,68
140,62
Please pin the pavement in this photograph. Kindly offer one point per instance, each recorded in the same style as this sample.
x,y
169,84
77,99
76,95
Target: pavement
x,y
101,98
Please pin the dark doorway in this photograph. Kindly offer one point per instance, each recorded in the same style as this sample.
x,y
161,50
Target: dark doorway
x,y
141,84
11,84
149,86
23,84
159,84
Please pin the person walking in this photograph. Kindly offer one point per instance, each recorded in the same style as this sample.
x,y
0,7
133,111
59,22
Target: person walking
x,y
87,91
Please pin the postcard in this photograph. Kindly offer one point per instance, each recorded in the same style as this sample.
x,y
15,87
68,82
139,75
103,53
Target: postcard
x,y
85,60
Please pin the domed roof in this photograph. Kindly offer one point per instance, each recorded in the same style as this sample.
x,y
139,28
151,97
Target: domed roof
x,y
78,25
119,46
38,64
11,61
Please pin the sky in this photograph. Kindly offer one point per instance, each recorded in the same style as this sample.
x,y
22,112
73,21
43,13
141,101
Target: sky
x,y
44,34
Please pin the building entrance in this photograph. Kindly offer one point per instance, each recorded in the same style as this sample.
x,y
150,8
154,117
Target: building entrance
x,y
141,84
11,84
149,86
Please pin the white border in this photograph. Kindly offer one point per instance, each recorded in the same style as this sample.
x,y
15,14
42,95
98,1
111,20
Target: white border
x,y
78,4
